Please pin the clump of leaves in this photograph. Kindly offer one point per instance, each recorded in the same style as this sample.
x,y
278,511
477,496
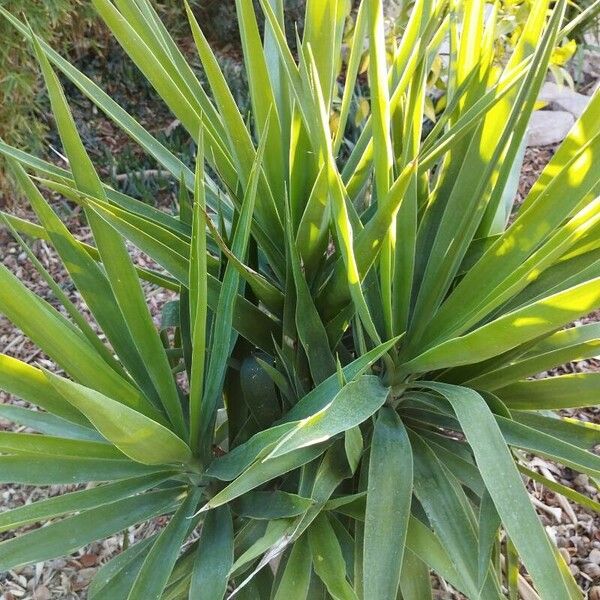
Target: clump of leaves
x,y
345,382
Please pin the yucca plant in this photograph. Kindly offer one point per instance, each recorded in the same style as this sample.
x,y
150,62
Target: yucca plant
x,y
338,403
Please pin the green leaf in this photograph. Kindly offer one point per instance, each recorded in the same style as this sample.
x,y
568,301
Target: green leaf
x,y
270,544
448,510
214,556
50,331
582,434
115,578
328,561
389,497
427,546
262,471
262,94
158,564
71,309
198,298
321,396
77,501
67,470
415,583
121,273
355,403
512,329
295,580
136,435
563,490
309,324
573,344
72,533
236,461
529,438
223,330
566,391
489,523
259,392
30,384
505,486
90,280
33,443
48,423
270,505
103,101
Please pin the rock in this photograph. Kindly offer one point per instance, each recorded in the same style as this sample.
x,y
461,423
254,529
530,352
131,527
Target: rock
x,y
58,564
564,98
88,560
548,127
591,63
42,593
592,570
594,556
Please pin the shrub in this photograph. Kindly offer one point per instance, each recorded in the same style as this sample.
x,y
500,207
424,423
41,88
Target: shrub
x,y
342,382
20,103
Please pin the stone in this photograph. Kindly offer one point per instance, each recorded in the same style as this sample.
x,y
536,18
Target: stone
x,y
592,570
548,127
42,593
594,556
591,56
564,98
88,560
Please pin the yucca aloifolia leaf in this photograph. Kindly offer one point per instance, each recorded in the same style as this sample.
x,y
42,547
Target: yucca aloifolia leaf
x,y
311,330
66,345
513,329
198,298
30,384
240,142
214,556
121,273
223,336
436,264
328,560
156,569
116,577
68,535
389,493
505,486
296,576
566,391
574,344
47,423
341,414
136,435
78,501
49,445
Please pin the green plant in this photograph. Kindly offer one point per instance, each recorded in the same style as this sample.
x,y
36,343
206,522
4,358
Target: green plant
x,y
342,382
20,102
